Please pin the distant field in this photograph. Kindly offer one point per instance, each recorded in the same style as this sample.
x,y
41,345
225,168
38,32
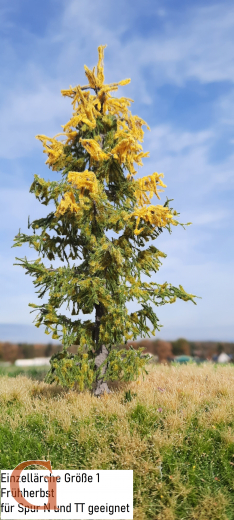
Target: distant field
x,y
37,373
175,429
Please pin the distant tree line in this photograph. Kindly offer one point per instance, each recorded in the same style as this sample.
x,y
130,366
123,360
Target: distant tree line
x,y
164,350
12,351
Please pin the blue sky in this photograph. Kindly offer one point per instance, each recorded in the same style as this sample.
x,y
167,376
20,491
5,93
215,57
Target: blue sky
x,y
180,58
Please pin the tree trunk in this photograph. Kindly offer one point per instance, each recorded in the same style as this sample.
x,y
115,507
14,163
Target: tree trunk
x,y
101,386
101,355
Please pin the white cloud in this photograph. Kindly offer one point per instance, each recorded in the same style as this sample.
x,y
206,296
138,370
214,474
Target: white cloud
x,y
30,113
208,319
224,110
184,159
215,217
169,139
16,205
199,46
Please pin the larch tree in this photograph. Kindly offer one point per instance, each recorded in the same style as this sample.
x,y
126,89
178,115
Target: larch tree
x,y
102,220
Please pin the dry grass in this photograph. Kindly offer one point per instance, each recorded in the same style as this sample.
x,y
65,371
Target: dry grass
x,y
166,434
180,390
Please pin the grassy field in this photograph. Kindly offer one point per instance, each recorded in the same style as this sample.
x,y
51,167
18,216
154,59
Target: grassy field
x,y
37,373
175,429
33,372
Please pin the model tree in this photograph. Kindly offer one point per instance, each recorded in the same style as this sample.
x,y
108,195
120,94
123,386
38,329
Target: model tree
x,y
102,221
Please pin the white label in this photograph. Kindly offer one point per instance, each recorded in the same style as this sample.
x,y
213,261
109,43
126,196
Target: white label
x,y
79,494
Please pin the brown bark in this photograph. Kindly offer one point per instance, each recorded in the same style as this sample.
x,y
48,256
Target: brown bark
x,y
101,355
101,386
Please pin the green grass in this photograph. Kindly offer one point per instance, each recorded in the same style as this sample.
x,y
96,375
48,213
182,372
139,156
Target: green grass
x,y
175,430
37,373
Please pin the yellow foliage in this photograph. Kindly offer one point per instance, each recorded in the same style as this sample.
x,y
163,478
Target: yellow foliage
x,y
149,183
127,149
97,81
158,216
84,180
116,107
134,125
123,148
94,149
85,111
54,150
87,108
68,202
91,77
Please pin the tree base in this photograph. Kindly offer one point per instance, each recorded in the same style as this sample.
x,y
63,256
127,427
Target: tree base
x,y
101,388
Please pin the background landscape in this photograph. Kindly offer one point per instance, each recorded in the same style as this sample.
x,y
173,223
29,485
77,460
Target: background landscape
x,y
175,427
179,56
164,350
